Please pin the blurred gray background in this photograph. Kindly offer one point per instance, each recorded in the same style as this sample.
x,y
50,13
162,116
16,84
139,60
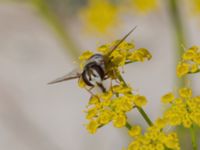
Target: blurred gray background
x,y
37,116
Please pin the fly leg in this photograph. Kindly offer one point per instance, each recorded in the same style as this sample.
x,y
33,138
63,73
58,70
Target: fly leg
x,y
90,90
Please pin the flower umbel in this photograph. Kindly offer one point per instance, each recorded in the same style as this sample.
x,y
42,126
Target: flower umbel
x,y
190,62
112,104
184,109
154,138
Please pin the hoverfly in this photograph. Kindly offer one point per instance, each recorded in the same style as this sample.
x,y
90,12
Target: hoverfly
x,y
94,70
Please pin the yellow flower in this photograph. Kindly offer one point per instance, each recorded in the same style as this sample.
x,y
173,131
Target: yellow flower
x,y
154,138
185,92
81,83
118,58
189,54
182,69
161,123
139,55
190,62
104,49
140,100
93,100
105,117
168,98
84,57
195,6
121,89
197,59
135,131
91,113
184,110
92,126
119,120
145,6
99,16
171,141
194,68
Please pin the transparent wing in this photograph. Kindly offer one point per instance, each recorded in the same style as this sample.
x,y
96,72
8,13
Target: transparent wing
x,y
115,46
74,74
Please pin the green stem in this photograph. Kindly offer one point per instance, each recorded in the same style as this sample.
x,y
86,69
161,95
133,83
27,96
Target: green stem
x,y
58,27
142,112
128,126
193,136
179,34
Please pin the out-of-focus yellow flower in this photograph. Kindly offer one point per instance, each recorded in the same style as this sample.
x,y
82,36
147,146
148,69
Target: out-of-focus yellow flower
x,y
185,92
145,6
92,126
195,6
140,100
135,131
139,55
190,62
154,138
168,98
182,69
119,120
184,110
105,116
99,15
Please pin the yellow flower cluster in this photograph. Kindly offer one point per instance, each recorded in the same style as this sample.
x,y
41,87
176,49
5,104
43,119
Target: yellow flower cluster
x,y
154,138
190,62
184,110
145,6
111,106
124,54
99,15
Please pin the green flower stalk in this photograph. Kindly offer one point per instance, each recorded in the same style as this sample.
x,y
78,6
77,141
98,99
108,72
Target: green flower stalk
x,y
179,34
193,136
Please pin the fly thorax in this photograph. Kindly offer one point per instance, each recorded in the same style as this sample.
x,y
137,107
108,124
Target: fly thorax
x,y
98,59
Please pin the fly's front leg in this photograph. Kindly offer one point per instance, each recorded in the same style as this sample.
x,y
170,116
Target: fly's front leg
x,y
90,90
115,77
